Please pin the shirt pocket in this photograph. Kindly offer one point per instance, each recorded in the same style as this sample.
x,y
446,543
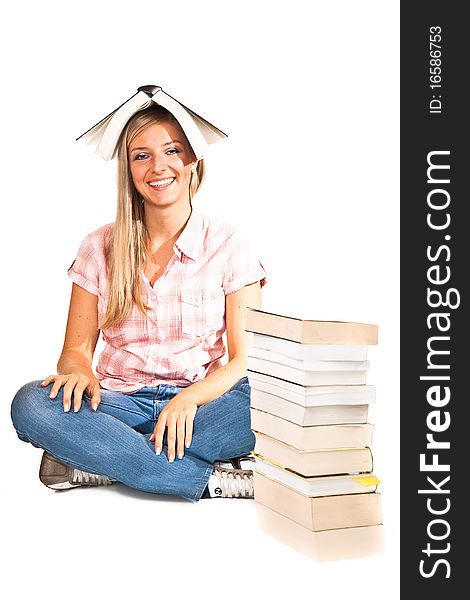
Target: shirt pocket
x,y
202,312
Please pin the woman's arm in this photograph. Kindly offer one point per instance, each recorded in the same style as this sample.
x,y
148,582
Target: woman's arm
x,y
178,414
74,368
221,380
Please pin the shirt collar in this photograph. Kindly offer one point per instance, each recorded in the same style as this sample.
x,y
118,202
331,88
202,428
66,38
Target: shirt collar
x,y
190,239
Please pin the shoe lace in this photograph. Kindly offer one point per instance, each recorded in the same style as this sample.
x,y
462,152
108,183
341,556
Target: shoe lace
x,y
235,483
84,477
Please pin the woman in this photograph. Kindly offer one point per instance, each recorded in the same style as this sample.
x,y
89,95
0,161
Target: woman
x,y
162,283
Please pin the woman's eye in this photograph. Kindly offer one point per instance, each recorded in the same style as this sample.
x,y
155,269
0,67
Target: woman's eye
x,y
172,151
140,156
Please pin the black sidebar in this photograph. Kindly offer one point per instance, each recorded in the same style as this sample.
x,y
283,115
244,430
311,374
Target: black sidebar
x,y
435,258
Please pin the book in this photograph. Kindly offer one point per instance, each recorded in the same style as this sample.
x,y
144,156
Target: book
x,y
320,376
308,364
319,513
306,416
312,395
309,331
105,134
328,545
331,485
310,463
309,351
314,437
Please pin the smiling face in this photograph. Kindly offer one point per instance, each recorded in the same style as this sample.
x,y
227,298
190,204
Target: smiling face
x,y
160,160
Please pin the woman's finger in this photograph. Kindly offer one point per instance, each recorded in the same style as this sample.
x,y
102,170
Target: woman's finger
x,y
78,395
95,396
158,432
189,430
180,433
68,389
58,383
171,437
48,380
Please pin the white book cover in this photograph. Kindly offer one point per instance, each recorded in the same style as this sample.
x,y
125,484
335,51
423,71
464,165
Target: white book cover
x,y
314,395
303,377
309,351
308,364
329,414
332,485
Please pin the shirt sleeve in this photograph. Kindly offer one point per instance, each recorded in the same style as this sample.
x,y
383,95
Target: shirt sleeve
x,y
84,271
242,266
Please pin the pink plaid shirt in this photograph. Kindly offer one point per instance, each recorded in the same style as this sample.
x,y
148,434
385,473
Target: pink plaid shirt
x,y
180,341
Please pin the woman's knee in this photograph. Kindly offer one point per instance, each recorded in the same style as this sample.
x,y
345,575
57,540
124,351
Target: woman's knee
x,y
27,403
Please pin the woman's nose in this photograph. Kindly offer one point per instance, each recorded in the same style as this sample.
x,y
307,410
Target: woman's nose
x,y
158,163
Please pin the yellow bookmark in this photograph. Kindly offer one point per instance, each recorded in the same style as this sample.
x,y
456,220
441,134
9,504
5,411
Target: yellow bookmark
x,y
371,480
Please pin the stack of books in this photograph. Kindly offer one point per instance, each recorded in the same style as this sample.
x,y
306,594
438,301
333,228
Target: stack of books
x,y
315,488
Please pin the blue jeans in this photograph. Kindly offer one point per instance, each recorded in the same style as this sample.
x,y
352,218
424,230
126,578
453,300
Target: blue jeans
x,y
114,440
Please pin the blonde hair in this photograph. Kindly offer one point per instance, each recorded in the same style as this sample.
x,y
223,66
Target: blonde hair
x,y
129,240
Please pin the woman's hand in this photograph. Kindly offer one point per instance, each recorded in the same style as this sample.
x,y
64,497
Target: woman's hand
x,y
77,383
178,417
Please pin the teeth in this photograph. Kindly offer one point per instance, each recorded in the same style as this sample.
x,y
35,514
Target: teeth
x,y
162,182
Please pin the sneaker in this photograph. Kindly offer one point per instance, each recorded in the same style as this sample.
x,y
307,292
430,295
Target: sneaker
x,y
58,476
232,479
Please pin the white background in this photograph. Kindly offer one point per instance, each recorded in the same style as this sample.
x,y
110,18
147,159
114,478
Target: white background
x,y
308,94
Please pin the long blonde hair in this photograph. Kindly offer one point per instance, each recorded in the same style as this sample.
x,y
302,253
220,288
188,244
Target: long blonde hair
x,y
129,240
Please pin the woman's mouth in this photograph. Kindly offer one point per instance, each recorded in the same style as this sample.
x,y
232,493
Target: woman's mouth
x,y
161,184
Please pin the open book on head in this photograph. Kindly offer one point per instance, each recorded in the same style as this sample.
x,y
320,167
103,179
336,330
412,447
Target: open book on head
x,y
105,134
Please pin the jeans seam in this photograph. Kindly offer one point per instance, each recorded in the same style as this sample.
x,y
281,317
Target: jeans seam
x,y
203,482
117,406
